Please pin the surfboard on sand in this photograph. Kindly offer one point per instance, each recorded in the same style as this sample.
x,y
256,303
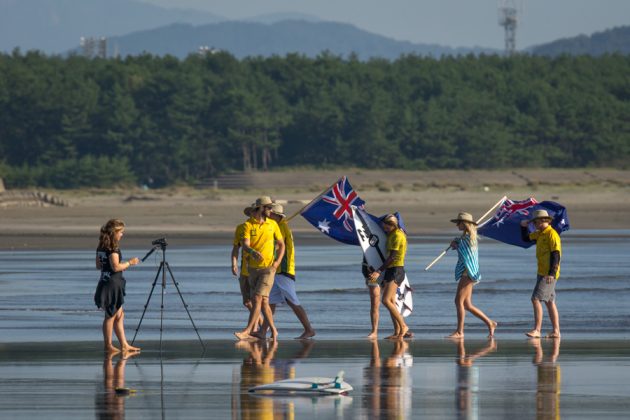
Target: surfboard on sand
x,y
310,385
373,241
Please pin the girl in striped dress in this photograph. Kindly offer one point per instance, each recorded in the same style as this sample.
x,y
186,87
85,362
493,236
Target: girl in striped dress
x,y
467,274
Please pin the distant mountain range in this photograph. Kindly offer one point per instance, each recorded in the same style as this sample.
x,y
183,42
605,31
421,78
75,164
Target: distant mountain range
x,y
616,40
133,27
243,39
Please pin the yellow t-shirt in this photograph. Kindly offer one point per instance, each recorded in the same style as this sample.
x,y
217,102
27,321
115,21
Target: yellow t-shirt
x,y
397,241
238,234
547,241
288,261
262,237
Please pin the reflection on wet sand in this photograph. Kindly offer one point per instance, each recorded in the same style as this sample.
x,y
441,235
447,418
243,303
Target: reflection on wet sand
x,y
387,387
110,403
549,380
261,367
466,398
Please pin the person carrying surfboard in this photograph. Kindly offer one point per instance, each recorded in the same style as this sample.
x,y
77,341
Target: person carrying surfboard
x,y
394,272
467,274
263,243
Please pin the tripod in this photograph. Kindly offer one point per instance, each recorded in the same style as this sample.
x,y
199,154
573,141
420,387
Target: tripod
x,y
161,244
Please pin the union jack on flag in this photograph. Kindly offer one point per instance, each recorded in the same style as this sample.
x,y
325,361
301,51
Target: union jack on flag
x,y
505,225
331,212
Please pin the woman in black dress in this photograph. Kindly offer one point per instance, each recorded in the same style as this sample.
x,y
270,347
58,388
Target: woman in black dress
x,y
110,290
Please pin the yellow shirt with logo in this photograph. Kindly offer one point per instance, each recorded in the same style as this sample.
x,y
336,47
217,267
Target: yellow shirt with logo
x,y
262,237
547,241
288,261
238,234
397,241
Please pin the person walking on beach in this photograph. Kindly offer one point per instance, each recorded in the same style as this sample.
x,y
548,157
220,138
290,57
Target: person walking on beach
x,y
261,240
283,289
548,254
243,275
467,274
110,291
374,290
394,272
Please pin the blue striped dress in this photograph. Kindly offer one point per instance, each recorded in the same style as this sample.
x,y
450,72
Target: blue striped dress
x,y
467,259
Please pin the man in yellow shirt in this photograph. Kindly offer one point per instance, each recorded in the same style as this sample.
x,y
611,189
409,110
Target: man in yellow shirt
x,y
261,237
394,272
283,289
243,275
548,253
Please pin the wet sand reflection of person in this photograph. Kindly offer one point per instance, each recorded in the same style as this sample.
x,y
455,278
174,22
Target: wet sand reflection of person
x,y
109,404
261,367
468,378
387,383
549,380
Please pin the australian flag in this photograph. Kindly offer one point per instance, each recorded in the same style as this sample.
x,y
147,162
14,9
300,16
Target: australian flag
x,y
331,212
505,225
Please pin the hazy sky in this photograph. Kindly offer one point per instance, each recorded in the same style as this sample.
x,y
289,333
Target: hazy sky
x,y
447,22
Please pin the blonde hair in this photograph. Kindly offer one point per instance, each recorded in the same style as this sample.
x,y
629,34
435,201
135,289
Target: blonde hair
x,y
471,230
391,220
107,239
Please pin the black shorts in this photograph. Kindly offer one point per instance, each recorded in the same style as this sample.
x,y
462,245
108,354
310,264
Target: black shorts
x,y
395,274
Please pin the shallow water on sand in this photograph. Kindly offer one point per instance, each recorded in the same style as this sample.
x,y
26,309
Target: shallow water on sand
x,y
415,379
48,295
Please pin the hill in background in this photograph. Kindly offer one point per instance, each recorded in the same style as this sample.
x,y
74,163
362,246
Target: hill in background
x,y
616,40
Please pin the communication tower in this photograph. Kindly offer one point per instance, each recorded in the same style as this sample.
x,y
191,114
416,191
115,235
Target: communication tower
x,y
509,11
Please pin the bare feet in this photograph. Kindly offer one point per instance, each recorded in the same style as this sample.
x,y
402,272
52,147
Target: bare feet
x,y
553,335
129,348
259,335
456,335
274,335
111,349
533,334
241,335
493,326
403,333
306,334
408,334
372,335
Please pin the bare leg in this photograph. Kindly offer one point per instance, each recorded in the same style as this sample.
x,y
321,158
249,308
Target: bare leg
x,y
119,329
266,309
535,333
463,289
253,318
554,318
389,296
375,303
478,312
303,318
263,325
108,326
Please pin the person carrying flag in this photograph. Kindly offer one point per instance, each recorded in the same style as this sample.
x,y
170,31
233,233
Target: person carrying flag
x,y
394,272
261,239
548,253
467,274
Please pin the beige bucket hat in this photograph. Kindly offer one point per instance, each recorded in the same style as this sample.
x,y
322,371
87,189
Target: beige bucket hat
x,y
540,214
278,209
464,217
247,211
263,201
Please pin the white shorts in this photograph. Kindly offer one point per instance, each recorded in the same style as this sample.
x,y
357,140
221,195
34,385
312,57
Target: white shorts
x,y
283,289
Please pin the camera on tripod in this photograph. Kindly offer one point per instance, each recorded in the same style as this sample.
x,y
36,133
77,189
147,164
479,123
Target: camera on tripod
x,y
159,242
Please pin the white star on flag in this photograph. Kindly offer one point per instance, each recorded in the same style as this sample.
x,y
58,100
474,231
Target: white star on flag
x,y
324,226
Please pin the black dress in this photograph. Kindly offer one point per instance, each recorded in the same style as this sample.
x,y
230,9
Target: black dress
x,y
110,291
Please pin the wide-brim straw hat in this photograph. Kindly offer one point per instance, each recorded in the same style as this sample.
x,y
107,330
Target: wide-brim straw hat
x,y
278,209
247,211
464,217
540,214
263,201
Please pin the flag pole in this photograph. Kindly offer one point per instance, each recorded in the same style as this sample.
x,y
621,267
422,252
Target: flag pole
x,y
478,221
311,202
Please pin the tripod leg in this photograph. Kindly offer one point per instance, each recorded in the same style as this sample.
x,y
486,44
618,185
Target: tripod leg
x,y
185,305
146,305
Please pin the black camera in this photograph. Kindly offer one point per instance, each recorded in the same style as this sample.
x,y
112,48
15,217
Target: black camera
x,y
159,242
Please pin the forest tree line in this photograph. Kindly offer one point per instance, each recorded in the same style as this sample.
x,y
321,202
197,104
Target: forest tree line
x,y
69,122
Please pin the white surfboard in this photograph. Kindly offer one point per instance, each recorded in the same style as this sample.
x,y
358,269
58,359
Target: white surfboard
x,y
373,241
310,385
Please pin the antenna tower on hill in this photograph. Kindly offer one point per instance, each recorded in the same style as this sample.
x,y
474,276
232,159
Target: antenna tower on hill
x,y
509,11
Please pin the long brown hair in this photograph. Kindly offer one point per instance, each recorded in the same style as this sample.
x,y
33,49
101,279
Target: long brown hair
x,y
107,239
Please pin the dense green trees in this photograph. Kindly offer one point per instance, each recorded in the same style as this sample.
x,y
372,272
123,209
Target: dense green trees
x,y
71,122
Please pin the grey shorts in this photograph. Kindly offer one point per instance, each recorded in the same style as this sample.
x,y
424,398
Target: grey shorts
x,y
544,292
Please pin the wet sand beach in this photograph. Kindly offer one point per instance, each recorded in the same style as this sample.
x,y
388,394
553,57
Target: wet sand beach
x,y
415,379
